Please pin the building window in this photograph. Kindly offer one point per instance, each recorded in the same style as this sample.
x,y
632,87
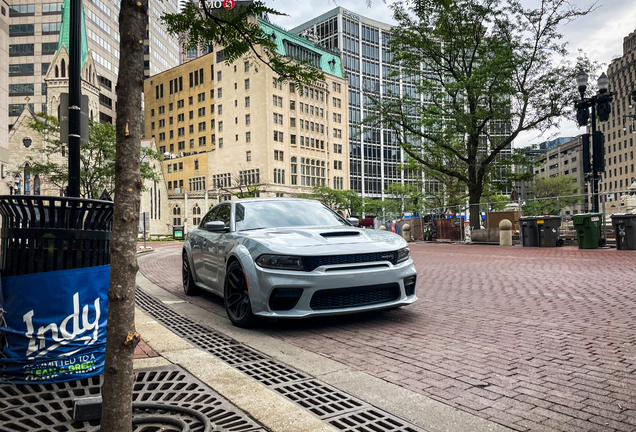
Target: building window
x,y
248,137
247,84
248,156
247,102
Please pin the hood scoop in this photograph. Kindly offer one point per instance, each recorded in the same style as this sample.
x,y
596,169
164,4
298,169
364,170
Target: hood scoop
x,y
340,234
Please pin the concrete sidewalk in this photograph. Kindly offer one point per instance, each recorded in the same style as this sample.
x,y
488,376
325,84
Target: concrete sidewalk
x,y
268,407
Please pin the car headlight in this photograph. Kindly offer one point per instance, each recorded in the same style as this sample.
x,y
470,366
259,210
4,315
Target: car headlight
x,y
280,262
403,254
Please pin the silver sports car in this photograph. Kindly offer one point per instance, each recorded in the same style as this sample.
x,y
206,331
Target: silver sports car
x,y
294,258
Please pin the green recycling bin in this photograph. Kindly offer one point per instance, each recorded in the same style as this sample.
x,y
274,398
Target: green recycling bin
x,y
588,229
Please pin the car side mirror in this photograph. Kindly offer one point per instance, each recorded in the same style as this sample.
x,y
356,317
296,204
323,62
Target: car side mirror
x,y
215,226
353,221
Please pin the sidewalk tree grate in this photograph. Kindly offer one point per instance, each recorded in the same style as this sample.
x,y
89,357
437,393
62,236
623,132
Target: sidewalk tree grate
x,y
272,373
334,406
372,420
321,399
48,407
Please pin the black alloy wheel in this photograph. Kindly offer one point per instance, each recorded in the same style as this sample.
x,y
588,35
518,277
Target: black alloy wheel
x,y
189,287
237,298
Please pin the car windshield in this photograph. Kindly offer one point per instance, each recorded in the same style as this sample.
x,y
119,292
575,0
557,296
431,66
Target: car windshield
x,y
285,213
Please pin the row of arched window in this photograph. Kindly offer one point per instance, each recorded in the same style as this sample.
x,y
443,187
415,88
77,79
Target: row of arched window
x,y
30,187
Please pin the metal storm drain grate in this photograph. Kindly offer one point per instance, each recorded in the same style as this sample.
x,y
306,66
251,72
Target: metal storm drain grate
x,y
321,399
48,407
272,373
334,406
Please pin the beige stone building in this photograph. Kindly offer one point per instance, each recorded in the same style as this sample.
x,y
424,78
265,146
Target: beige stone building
x,y
223,126
564,159
619,130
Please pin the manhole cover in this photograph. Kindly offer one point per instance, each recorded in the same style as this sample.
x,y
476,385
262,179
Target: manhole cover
x,y
48,407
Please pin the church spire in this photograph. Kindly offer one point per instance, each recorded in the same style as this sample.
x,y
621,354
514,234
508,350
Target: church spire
x,y
65,30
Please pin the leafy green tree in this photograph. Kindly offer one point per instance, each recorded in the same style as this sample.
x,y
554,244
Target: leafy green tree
x,y
488,70
240,35
546,191
409,196
97,158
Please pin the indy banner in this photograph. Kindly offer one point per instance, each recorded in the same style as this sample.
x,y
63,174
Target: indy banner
x,y
53,325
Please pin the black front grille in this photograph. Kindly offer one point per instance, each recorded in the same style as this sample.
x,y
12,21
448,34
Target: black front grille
x,y
351,297
311,263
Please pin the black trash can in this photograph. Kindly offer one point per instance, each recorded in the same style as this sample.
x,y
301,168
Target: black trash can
x,y
529,234
177,232
625,229
55,266
548,230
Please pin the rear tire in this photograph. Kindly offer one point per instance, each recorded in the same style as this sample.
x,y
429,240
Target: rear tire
x,y
189,287
236,297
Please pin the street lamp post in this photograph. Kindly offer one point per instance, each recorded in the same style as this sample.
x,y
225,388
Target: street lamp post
x,y
600,104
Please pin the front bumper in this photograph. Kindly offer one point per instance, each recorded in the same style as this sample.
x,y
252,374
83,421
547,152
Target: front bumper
x,y
326,278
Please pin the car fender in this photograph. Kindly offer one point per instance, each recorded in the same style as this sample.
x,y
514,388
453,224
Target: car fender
x,y
188,251
249,268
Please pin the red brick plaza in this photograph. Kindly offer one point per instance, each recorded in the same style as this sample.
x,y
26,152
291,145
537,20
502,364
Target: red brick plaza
x,y
531,338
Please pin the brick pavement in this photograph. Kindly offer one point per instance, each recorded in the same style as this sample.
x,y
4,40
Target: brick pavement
x,y
534,339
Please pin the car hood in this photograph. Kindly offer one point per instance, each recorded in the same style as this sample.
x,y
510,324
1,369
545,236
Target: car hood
x,y
318,240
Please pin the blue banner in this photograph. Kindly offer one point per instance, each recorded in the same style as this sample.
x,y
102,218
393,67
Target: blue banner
x,y
53,325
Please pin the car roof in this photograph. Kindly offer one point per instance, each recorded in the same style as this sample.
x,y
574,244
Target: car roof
x,y
271,199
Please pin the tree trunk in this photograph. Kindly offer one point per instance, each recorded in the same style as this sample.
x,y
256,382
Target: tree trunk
x,y
121,335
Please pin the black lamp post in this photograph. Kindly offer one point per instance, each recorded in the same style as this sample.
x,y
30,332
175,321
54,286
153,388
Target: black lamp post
x,y
600,104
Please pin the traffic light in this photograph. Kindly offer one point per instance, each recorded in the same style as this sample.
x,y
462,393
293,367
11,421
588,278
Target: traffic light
x,y
586,153
582,115
598,155
604,108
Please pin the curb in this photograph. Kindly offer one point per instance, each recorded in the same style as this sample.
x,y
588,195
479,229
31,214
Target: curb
x,y
264,405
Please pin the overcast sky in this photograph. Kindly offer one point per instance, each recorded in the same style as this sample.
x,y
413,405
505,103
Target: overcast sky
x,y
599,34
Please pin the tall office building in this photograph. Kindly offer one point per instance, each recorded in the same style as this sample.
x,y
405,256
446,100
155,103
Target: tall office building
x,y
374,153
620,131
34,29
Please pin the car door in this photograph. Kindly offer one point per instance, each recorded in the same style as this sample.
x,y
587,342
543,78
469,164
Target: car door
x,y
198,245
215,247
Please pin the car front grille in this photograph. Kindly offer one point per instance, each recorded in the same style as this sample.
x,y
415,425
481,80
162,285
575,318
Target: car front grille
x,y
351,297
311,263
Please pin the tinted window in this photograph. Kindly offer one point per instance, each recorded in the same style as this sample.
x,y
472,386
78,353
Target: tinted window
x,y
224,214
209,217
287,213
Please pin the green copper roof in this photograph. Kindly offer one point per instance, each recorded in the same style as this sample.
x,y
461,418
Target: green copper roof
x,y
65,31
326,56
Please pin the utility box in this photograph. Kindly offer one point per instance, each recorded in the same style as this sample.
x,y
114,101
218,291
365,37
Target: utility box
x,y
625,228
177,232
588,229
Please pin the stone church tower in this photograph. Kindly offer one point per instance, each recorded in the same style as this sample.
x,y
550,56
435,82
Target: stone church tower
x,y
57,76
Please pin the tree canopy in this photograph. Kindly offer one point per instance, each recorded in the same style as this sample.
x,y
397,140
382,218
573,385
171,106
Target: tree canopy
x,y
97,158
476,74
546,190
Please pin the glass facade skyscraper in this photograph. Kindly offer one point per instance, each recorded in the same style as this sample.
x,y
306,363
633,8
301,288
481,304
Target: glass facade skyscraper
x,y
375,156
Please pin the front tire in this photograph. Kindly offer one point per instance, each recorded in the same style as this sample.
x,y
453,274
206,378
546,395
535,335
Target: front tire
x,y
189,287
236,297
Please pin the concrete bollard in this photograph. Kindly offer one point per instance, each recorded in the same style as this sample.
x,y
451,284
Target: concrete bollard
x,y
406,232
505,233
382,228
